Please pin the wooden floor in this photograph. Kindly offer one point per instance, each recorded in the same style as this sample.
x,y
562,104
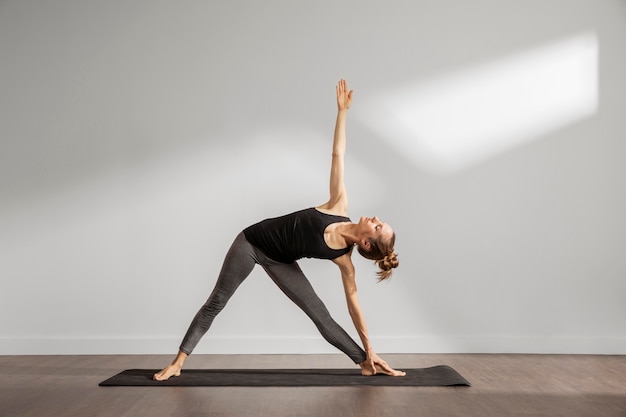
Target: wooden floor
x,y
502,385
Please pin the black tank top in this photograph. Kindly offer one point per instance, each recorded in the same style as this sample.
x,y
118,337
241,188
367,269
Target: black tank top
x,y
297,235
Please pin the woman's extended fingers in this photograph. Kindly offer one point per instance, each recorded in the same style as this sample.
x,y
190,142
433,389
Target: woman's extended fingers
x,y
344,96
341,87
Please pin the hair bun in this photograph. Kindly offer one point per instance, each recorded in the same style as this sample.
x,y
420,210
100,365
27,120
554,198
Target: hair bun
x,y
386,264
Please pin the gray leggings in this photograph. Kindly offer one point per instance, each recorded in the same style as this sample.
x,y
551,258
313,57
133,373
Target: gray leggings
x,y
239,262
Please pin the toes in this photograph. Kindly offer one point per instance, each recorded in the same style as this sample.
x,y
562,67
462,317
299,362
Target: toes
x,y
164,375
160,376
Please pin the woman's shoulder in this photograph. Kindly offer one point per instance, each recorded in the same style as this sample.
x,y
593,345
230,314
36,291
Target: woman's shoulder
x,y
332,210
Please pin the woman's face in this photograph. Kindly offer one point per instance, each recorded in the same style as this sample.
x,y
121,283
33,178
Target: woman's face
x,y
372,227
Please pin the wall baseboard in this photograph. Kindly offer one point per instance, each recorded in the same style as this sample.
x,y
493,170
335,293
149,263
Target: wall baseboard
x,y
313,345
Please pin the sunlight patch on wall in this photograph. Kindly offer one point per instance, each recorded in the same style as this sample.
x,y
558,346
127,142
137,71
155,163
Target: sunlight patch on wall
x,y
459,119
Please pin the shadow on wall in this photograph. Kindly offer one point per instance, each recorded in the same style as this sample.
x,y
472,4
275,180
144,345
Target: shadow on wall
x,y
457,120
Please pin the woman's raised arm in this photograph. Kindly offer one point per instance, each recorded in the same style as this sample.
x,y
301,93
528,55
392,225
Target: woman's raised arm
x,y
338,202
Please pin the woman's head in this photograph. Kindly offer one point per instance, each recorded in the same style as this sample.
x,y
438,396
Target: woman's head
x,y
376,242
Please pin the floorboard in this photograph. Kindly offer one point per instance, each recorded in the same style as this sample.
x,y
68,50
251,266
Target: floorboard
x,y
502,385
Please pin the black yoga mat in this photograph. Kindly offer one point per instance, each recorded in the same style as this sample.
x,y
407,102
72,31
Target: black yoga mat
x,y
441,375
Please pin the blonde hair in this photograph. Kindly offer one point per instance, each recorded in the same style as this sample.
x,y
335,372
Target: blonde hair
x,y
381,252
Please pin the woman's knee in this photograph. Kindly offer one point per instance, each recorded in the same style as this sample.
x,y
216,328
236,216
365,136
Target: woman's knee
x,y
216,302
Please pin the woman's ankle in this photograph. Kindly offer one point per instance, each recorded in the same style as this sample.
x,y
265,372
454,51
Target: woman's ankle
x,y
180,359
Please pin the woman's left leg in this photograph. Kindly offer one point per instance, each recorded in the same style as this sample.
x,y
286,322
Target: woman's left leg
x,y
292,281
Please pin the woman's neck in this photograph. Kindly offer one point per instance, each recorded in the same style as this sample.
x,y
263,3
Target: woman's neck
x,y
347,231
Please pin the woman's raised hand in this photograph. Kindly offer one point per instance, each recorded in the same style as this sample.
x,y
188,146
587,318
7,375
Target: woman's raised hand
x,y
344,96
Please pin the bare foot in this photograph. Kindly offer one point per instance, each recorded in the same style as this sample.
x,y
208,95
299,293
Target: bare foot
x,y
167,372
389,371
367,370
173,369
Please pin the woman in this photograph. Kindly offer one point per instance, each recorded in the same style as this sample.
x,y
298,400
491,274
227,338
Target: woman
x,y
323,232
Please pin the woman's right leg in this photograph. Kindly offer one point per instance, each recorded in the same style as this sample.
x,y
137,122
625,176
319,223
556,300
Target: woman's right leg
x,y
238,264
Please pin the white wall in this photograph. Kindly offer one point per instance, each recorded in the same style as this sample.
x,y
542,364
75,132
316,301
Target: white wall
x,y
138,138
